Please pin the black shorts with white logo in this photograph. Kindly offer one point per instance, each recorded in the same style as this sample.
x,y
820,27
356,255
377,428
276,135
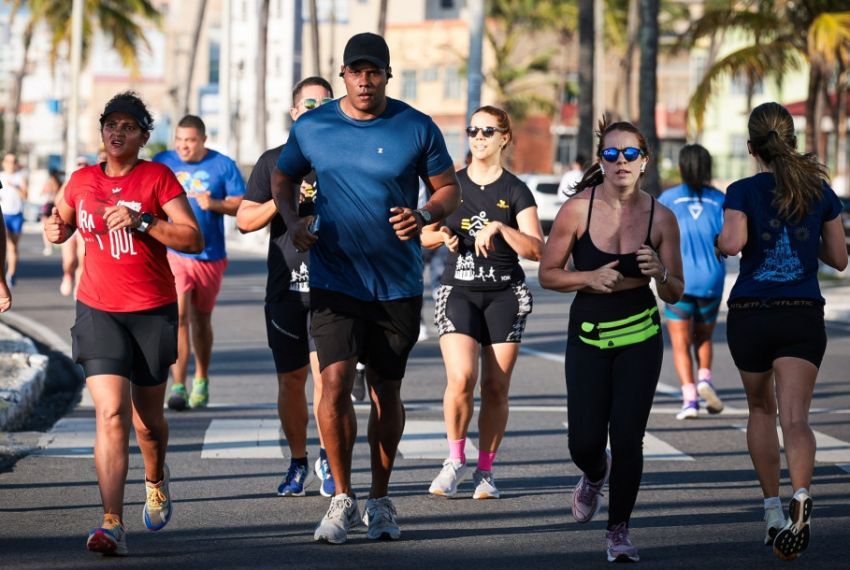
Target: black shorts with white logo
x,y
140,345
488,316
380,334
288,331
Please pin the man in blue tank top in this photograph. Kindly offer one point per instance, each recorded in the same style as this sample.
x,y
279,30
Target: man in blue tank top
x,y
368,152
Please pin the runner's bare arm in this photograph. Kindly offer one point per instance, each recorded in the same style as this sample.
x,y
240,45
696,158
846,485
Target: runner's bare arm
x,y
181,231
253,216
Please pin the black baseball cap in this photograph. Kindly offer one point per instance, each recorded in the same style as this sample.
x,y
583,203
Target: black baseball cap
x,y
124,106
368,47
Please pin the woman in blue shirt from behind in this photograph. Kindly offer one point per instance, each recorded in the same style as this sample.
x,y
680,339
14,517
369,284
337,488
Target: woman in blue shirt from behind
x,y
782,220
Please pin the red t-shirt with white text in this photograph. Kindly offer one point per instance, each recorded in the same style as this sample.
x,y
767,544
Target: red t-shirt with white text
x,y
124,270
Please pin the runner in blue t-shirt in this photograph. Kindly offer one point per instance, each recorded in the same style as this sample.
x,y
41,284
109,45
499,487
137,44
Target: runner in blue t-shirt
x,y
699,211
782,220
368,152
215,188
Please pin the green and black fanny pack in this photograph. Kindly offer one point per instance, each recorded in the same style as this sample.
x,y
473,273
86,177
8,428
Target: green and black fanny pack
x,y
622,332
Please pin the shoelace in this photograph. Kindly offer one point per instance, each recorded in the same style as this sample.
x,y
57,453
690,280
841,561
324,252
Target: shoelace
x,y
619,535
338,508
156,498
450,466
382,513
589,490
292,473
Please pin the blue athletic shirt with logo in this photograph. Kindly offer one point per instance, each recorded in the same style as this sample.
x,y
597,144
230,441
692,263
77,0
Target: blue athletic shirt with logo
x,y
364,168
216,174
780,259
700,220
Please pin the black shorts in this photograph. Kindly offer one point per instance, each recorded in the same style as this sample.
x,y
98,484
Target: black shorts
x,y
379,333
139,345
288,330
758,336
488,316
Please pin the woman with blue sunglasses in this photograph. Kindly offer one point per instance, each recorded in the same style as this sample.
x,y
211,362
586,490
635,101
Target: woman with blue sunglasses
x,y
608,242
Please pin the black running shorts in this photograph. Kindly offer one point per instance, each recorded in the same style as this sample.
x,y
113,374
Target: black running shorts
x,y
379,333
288,330
488,316
757,337
139,345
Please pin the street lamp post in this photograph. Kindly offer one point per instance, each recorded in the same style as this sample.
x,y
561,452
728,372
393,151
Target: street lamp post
x,y
74,99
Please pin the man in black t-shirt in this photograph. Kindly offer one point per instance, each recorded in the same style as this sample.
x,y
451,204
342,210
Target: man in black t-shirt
x,y
288,303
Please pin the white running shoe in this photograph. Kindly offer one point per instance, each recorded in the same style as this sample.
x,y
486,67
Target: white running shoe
x,y
706,391
793,539
587,496
445,484
775,520
380,519
485,486
341,516
688,412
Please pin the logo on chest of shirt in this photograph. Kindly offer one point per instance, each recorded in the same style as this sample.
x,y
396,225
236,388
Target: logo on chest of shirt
x,y
474,224
194,182
502,204
120,240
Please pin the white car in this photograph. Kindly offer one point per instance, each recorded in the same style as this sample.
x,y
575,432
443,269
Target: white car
x,y
544,187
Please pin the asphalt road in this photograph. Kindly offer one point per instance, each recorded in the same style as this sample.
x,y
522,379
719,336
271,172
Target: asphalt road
x,y
699,506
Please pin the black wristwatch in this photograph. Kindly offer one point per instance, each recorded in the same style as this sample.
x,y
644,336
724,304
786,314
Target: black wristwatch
x,y
145,221
424,214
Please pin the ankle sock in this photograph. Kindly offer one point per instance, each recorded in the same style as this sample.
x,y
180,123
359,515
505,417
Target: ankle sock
x,y
689,393
704,375
801,490
456,447
772,503
485,460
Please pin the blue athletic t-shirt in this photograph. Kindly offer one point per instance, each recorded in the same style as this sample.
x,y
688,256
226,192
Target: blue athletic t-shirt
x,y
700,220
216,174
364,168
780,259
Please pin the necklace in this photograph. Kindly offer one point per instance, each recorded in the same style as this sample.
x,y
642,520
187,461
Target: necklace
x,y
488,181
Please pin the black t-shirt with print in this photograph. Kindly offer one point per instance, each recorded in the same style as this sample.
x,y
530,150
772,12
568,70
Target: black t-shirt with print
x,y
500,201
288,270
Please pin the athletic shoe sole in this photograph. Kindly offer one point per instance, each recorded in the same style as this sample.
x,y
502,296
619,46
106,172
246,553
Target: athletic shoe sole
x,y
439,492
688,414
624,558
712,403
177,403
104,543
793,539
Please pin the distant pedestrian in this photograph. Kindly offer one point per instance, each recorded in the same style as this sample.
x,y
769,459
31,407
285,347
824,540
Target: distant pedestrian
x,y
288,302
368,152
782,221
483,301
48,196
619,239
13,197
127,211
698,208
5,294
571,178
215,188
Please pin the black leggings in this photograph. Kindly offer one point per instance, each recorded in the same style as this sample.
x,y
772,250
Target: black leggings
x,y
610,393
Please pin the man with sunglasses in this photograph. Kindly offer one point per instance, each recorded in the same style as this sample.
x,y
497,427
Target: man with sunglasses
x,y
368,152
288,301
214,186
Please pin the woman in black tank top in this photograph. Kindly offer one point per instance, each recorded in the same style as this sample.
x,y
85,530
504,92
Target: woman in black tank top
x,y
619,240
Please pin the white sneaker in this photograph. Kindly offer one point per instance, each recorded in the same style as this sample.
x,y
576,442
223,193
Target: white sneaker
x,y
775,520
688,412
485,486
380,519
445,484
713,403
794,537
341,516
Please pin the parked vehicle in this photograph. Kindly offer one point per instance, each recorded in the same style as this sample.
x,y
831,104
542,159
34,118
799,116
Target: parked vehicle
x,y
845,219
544,187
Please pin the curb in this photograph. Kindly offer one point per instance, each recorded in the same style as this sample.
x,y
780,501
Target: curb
x,y
22,374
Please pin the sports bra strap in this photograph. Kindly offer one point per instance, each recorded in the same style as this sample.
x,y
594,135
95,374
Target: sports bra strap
x,y
648,240
590,208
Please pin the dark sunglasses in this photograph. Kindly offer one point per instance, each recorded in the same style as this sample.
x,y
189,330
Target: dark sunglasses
x,y
311,103
472,132
630,153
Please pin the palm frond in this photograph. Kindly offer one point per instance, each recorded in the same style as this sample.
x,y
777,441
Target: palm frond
x,y
829,38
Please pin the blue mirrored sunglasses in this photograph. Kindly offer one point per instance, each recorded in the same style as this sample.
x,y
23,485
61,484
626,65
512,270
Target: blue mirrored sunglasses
x,y
630,153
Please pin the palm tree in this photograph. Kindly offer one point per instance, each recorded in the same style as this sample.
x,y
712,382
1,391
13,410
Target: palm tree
x,y
190,68
777,32
649,89
382,18
117,19
586,35
262,59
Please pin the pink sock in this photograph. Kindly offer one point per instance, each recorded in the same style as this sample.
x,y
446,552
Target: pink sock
x,y
485,460
689,393
704,374
456,449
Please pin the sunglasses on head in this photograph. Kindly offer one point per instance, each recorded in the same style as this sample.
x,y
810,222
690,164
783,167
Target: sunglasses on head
x,y
472,132
311,103
630,153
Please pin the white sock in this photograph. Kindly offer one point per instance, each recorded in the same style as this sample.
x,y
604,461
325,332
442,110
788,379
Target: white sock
x,y
800,491
772,503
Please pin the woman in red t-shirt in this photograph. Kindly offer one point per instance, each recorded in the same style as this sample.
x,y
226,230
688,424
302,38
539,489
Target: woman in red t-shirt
x,y
127,211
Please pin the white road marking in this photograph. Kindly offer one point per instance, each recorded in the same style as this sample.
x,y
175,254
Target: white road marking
x,y
70,437
427,440
829,449
243,439
655,449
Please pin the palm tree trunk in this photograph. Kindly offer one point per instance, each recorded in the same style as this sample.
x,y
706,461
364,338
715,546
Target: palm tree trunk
x,y
382,18
11,130
262,64
648,90
584,144
811,109
629,60
841,129
190,69
314,33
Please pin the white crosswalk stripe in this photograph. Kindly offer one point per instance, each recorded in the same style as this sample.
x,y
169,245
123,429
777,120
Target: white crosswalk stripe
x,y
829,449
70,437
655,449
427,440
257,438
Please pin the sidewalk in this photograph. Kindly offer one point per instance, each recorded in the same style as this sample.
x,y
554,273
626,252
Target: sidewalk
x,y
23,369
